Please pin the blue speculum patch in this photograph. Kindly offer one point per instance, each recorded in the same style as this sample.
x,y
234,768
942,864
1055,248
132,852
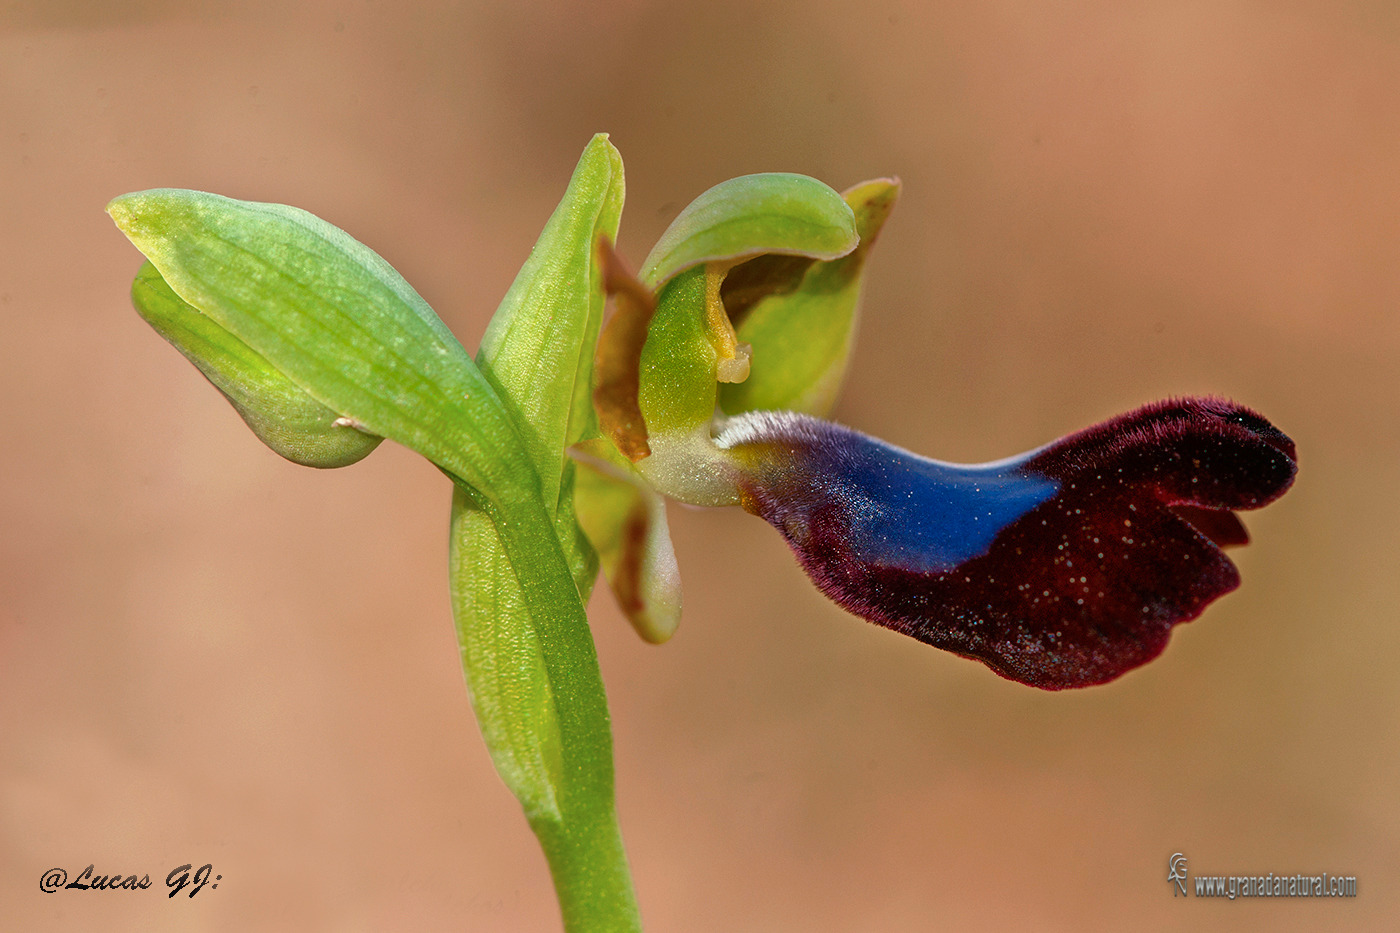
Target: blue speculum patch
x,y
912,513
1064,567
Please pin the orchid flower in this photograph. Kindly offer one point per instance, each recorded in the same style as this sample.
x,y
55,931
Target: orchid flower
x,y
1065,566
1062,567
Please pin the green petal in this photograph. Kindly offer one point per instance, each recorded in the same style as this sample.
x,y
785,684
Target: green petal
x,y
750,215
800,320
618,359
690,345
283,416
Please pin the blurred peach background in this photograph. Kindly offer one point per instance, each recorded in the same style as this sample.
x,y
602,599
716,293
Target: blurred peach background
x,y
210,655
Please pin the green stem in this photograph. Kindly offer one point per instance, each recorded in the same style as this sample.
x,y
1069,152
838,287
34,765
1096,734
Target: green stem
x,y
591,877
579,833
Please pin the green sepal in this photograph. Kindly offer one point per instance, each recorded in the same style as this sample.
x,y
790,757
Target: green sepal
x,y
279,412
625,520
776,212
799,319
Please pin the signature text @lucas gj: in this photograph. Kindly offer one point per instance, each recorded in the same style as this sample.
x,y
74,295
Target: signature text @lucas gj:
x,y
179,878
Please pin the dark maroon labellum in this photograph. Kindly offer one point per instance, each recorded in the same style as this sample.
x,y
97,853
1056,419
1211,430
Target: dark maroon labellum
x,y
1064,567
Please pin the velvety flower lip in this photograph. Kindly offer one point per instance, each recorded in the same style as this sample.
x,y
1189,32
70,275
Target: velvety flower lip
x,y
1063,567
